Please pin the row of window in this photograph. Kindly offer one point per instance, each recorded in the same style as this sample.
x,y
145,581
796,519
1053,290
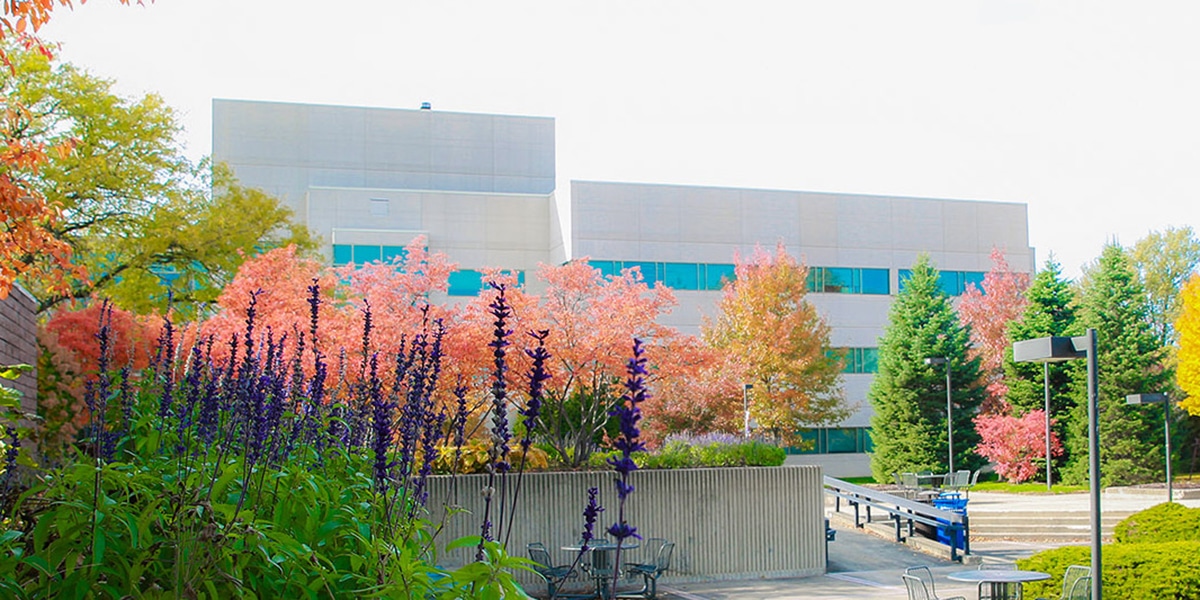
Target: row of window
x,y
678,276
836,440
695,276
861,360
954,283
361,254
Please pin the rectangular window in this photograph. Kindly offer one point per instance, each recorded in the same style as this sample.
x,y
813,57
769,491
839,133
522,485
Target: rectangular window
x,y
842,440
953,283
681,276
391,252
875,281
860,360
972,277
379,207
839,280
366,254
716,275
649,271
466,282
342,254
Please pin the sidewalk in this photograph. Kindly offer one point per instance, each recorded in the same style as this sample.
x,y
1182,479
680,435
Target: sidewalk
x,y
868,567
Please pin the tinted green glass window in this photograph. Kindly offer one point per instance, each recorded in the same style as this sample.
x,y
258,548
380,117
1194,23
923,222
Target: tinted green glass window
x,y
715,275
649,271
390,252
607,268
842,441
839,281
681,276
870,360
810,443
969,277
875,281
342,254
465,283
366,254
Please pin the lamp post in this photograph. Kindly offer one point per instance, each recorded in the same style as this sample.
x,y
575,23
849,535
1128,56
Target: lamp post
x,y
1059,349
1166,402
1046,387
746,409
942,360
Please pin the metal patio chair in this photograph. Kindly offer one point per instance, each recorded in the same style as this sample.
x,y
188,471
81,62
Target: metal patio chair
x,y
925,576
1070,577
650,572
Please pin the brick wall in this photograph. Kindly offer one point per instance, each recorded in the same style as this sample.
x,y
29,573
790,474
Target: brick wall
x,y
18,341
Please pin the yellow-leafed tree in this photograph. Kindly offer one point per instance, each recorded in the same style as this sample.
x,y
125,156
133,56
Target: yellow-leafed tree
x,y
781,343
1188,327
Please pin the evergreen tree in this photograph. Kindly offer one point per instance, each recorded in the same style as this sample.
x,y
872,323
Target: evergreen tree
x,y
1130,361
909,397
1050,312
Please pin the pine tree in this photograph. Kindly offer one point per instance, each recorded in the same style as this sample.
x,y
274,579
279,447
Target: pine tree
x,y
909,397
1050,312
1130,361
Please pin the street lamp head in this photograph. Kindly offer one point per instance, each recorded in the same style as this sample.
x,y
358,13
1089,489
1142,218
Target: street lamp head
x,y
748,386
936,360
1146,398
1054,348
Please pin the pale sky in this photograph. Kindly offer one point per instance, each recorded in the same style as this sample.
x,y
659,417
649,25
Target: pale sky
x,y
1089,112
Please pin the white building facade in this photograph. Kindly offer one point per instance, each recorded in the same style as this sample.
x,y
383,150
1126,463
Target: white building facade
x,y
480,188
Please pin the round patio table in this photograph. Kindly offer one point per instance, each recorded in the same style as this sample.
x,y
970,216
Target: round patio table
x,y
998,579
602,569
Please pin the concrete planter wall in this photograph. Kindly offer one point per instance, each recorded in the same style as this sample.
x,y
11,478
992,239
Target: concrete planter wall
x,y
726,523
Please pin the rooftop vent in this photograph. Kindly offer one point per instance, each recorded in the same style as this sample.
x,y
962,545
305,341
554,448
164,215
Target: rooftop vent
x,y
426,106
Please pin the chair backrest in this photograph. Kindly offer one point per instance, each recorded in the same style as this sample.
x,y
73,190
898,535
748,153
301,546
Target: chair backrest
x,y
916,588
974,478
922,573
1073,574
663,561
962,478
909,479
539,554
1081,589
653,547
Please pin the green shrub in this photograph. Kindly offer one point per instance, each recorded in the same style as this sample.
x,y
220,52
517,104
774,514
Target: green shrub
x,y
1131,571
1166,522
680,454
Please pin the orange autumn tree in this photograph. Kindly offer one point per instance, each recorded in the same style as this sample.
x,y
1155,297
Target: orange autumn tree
x,y
592,321
782,344
24,214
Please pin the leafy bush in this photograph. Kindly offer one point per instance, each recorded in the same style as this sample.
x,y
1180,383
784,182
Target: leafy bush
x,y
712,450
1164,570
254,476
1166,522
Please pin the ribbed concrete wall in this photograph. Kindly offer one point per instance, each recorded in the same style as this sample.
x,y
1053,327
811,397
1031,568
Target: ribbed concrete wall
x,y
726,523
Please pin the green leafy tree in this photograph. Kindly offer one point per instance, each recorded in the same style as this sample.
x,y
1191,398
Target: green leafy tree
x,y
1164,262
136,213
909,397
1050,311
1130,360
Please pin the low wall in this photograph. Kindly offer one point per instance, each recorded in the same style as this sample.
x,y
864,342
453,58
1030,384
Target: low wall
x,y
726,523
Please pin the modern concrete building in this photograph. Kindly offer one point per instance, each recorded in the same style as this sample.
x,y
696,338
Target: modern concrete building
x,y
481,188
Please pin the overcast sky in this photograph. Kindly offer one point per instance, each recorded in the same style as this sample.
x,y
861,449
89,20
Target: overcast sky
x,y
1089,112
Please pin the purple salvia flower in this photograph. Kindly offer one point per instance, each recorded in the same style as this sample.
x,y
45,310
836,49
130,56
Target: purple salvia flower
x,y
628,412
500,431
590,515
430,436
381,423
537,378
167,344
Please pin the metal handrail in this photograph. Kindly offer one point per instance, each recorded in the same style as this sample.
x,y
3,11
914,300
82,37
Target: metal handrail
x,y
900,510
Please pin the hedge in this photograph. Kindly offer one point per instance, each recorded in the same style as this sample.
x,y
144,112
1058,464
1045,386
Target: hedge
x,y
1131,571
1166,522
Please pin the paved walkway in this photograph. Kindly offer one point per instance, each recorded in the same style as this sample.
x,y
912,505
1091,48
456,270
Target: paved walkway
x,y
868,567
